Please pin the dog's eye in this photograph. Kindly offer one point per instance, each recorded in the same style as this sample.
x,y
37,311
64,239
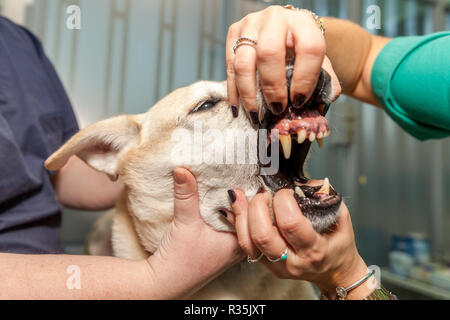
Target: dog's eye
x,y
203,106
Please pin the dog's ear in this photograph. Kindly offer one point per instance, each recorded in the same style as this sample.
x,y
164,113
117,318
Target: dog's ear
x,y
100,145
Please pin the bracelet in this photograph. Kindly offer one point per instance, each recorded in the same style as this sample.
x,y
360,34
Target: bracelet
x,y
381,294
318,20
342,292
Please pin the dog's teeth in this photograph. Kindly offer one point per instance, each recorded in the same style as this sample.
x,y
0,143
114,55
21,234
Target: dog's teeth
x,y
325,187
320,135
312,137
320,143
286,144
299,191
327,134
301,136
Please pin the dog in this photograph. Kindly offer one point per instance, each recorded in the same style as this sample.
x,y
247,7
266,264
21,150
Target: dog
x,y
140,149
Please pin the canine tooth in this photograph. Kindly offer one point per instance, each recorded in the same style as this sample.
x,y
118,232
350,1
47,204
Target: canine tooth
x,y
327,134
301,136
312,137
325,187
320,135
299,191
286,144
320,143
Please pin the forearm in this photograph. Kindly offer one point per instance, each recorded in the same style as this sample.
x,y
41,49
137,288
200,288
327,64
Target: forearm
x,y
352,51
49,277
175,276
79,186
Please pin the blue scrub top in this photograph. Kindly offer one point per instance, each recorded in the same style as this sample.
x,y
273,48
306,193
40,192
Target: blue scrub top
x,y
36,118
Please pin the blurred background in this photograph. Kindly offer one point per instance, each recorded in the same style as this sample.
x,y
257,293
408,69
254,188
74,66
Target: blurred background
x,y
129,54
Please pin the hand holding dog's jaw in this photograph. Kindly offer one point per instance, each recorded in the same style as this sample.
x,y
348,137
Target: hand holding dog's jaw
x,y
188,256
329,260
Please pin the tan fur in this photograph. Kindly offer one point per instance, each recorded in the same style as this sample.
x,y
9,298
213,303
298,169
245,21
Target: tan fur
x,y
138,148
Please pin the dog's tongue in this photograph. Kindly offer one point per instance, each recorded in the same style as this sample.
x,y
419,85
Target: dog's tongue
x,y
294,121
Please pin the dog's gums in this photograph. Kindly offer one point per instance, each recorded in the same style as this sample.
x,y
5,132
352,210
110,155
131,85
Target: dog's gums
x,y
296,129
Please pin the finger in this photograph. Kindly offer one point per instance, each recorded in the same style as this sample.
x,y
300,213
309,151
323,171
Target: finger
x,y
294,226
233,97
342,239
343,222
229,215
262,230
245,73
336,89
270,61
292,268
239,205
310,50
186,204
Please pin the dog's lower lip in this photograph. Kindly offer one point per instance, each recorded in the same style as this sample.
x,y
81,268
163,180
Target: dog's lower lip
x,y
304,203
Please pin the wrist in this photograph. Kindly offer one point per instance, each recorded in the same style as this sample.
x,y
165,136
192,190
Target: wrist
x,y
346,276
168,280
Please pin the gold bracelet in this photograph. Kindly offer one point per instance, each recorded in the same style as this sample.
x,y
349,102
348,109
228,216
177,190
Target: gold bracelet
x,y
318,20
381,294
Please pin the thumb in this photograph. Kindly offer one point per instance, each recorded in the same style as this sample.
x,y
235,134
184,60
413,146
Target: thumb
x,y
186,204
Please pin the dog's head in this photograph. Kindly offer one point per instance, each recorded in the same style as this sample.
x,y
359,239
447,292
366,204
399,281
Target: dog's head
x,y
193,127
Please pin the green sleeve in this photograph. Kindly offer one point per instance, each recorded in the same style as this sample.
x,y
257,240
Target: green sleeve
x,y
411,79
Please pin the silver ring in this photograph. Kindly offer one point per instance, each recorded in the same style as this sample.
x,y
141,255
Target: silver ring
x,y
250,260
249,41
282,257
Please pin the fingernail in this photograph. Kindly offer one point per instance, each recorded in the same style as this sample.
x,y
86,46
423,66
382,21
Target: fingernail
x,y
235,111
254,116
179,177
276,107
223,212
261,190
299,99
232,196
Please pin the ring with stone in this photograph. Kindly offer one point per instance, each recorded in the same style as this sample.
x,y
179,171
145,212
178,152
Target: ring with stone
x,y
282,257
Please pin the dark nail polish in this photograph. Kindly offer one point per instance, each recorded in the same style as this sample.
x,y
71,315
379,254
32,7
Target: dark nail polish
x,y
261,190
254,116
276,107
299,99
235,111
232,196
223,212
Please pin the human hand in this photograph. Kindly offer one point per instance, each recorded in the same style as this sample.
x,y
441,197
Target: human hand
x,y
276,29
328,260
191,253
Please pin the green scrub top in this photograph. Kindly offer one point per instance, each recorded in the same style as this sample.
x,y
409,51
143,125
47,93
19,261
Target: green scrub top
x,y
411,80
